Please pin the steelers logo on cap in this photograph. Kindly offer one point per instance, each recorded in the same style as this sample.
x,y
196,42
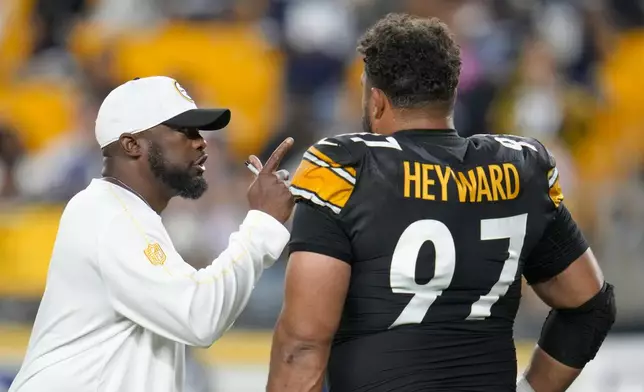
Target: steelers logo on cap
x,y
183,91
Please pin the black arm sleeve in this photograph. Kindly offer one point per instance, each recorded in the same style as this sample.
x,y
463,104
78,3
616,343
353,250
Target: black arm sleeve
x,y
314,230
561,244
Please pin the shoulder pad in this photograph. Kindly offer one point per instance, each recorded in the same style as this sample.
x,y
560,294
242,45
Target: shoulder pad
x,y
544,160
343,149
328,172
528,145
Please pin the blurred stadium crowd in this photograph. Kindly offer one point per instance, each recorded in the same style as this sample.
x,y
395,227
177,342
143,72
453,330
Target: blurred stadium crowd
x,y
564,71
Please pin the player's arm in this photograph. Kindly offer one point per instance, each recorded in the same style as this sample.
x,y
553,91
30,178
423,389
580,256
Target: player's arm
x,y
318,273
316,287
564,273
149,283
583,311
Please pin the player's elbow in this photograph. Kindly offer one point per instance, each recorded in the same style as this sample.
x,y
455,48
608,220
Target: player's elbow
x,y
298,351
310,332
574,336
303,340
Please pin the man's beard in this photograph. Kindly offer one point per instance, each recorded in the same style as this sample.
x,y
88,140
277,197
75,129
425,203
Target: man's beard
x,y
179,179
366,122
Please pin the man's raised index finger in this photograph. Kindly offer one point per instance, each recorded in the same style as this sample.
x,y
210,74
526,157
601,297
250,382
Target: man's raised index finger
x,y
276,157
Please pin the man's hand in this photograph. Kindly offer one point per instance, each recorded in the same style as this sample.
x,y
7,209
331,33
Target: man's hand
x,y
268,193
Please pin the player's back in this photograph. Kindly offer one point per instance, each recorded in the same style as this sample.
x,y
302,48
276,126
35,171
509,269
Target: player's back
x,y
440,227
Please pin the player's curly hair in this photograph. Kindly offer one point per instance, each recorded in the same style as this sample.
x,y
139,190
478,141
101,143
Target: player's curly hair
x,y
413,60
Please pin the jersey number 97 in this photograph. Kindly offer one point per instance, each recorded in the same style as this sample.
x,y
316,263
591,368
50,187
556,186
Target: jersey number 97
x,y
403,265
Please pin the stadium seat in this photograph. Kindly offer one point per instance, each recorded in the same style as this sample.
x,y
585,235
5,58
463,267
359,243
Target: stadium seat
x,y
220,64
39,109
86,41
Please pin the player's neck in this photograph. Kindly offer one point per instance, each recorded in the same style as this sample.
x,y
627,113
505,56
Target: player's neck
x,y
411,122
149,190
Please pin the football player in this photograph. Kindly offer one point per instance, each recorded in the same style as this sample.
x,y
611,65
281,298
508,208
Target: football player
x,y
409,243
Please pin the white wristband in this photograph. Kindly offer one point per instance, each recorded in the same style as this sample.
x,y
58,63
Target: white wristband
x,y
524,386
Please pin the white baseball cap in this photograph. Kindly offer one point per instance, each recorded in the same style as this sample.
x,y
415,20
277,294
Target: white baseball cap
x,y
143,103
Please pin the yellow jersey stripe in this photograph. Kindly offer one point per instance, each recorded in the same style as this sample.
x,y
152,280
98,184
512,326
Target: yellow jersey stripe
x,y
337,170
321,156
555,193
323,182
314,198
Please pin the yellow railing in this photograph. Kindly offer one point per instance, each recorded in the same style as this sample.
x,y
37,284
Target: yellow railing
x,y
236,347
27,236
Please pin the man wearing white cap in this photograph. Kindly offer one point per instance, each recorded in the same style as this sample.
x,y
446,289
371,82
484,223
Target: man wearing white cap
x,y
120,303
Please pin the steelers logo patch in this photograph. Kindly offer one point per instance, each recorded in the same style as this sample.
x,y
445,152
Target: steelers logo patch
x,y
182,91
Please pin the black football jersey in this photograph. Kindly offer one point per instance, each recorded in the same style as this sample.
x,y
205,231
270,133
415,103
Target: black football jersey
x,y
438,230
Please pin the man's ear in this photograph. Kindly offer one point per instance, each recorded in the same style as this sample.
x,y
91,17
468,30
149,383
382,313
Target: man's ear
x,y
131,145
379,103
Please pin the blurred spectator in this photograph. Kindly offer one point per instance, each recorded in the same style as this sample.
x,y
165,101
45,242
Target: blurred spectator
x,y
319,42
11,151
67,164
626,14
115,16
53,19
538,103
96,75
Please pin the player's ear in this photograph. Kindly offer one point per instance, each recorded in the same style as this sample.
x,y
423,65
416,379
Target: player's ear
x,y
130,145
379,103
